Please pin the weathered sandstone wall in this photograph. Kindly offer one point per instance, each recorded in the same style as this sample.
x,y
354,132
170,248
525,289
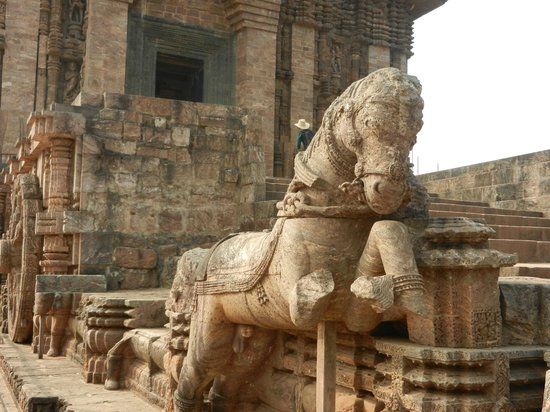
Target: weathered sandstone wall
x,y
159,176
520,182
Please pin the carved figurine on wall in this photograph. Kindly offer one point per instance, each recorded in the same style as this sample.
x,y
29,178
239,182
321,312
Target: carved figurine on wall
x,y
332,255
72,82
76,11
336,58
76,19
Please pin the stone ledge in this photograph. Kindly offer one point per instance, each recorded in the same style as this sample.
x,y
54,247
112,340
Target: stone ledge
x,y
55,383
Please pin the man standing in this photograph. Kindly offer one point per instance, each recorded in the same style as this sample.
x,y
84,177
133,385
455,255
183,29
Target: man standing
x,y
305,135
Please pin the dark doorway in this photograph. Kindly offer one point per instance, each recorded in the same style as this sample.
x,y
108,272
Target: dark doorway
x,y
179,78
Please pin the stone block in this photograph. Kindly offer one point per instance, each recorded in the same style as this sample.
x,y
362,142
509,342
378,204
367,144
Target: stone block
x,y
107,128
70,283
131,131
78,222
116,101
121,146
525,304
109,114
137,279
507,192
170,221
181,136
135,258
231,175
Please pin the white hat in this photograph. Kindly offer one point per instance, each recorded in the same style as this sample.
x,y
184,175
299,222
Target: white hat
x,y
302,124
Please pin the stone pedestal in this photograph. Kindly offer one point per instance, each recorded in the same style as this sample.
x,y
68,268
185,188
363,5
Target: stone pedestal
x,y
460,275
423,378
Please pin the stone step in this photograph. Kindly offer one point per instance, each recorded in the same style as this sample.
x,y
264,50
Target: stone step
x,y
282,180
274,195
534,270
452,207
493,219
522,232
437,199
276,187
53,383
527,250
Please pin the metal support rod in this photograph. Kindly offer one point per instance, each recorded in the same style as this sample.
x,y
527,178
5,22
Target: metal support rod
x,y
41,326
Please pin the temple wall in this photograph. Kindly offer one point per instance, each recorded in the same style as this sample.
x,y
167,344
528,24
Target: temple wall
x,y
17,70
159,176
520,182
205,13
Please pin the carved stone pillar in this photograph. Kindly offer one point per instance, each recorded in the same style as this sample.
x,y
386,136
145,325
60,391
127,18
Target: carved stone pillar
x,y
461,280
56,250
52,139
256,28
41,72
105,61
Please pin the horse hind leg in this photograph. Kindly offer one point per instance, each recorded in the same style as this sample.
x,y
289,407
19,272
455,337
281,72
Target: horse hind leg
x,y
209,351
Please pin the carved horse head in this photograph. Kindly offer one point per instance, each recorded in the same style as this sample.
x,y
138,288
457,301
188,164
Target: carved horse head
x,y
374,124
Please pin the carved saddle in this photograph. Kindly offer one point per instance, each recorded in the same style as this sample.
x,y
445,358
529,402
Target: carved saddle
x,y
237,262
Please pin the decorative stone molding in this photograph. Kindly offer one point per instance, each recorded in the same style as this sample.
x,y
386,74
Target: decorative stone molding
x,y
260,15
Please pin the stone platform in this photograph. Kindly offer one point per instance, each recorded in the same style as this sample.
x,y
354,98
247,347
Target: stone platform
x,y
56,383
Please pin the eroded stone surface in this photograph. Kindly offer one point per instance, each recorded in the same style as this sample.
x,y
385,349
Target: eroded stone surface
x,y
525,306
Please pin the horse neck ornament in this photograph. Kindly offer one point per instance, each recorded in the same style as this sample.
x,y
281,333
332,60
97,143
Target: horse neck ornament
x,y
357,164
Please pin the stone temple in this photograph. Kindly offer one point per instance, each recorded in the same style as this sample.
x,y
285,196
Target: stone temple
x,y
166,247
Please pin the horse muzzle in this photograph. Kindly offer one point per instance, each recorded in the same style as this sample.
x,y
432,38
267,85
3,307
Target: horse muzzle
x,y
384,195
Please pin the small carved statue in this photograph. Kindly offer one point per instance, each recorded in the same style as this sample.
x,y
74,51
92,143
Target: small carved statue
x,y
76,11
336,53
72,82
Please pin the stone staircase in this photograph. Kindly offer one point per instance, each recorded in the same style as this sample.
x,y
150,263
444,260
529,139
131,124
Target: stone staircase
x,y
526,233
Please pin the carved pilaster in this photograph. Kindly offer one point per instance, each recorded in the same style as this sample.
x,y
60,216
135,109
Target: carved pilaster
x,y
2,14
55,44
52,139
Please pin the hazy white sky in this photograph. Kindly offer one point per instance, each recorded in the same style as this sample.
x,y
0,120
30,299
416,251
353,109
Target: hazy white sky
x,y
485,70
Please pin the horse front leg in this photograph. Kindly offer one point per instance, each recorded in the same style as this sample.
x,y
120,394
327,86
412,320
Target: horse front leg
x,y
209,352
387,272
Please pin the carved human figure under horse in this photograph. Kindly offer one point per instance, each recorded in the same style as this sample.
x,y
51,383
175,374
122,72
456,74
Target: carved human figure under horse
x,y
331,254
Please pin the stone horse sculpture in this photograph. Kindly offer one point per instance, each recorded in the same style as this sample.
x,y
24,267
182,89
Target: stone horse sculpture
x,y
329,256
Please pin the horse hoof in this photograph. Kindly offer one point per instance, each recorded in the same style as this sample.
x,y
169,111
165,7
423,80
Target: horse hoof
x,y
378,291
53,353
309,298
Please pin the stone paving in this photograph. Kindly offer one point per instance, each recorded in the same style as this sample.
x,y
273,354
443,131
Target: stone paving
x,y
60,377
7,403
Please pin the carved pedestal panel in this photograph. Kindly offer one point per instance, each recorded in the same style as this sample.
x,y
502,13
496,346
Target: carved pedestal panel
x,y
105,318
460,277
418,378
19,254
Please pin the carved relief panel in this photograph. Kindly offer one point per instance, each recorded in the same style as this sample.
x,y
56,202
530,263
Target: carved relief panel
x,y
62,46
